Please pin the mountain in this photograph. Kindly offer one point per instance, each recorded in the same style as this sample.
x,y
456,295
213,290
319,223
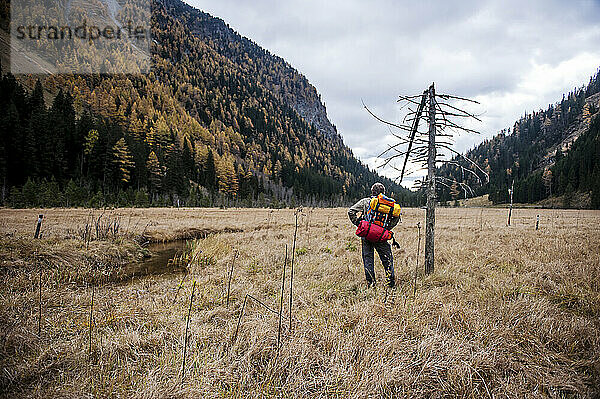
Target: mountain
x,y
218,120
288,85
534,152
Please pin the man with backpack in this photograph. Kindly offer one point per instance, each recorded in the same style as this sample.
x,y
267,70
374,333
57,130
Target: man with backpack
x,y
378,215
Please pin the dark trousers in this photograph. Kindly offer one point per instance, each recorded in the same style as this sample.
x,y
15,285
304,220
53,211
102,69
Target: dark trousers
x,y
384,249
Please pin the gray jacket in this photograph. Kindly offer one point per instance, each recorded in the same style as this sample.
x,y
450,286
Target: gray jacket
x,y
362,207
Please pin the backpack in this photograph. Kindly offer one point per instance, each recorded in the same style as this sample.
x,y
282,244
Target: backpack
x,y
373,232
374,226
381,208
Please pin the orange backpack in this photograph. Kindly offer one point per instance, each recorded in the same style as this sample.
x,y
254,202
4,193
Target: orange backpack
x,y
381,208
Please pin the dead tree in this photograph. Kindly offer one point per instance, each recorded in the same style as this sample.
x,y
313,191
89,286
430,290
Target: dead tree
x,y
428,150
430,216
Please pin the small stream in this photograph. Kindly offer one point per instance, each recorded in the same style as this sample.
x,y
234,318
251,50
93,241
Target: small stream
x,y
158,263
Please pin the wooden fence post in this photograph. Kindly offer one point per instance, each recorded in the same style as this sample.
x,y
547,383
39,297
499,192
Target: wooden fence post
x,y
38,226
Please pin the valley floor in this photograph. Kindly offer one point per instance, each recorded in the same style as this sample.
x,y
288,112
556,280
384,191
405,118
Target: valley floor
x,y
508,312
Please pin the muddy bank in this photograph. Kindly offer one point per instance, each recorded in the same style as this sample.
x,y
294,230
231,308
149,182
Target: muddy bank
x,y
159,260
184,234
73,261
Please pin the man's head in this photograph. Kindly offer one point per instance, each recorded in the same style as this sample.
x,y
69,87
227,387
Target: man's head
x,y
377,189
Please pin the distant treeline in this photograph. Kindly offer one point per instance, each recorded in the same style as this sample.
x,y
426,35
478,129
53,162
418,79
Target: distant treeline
x,y
55,157
518,155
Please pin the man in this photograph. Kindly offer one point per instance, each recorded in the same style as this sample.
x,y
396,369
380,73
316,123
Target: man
x,y
383,248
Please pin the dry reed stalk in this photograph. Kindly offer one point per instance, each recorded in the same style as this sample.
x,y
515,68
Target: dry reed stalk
x,y
511,202
40,296
481,219
179,286
187,326
237,328
185,275
91,321
292,267
417,263
308,220
235,254
281,300
307,231
261,303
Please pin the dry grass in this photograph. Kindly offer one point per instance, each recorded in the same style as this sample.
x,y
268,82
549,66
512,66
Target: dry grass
x,y
153,224
509,312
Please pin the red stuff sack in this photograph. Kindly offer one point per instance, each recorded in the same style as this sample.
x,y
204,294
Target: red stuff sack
x,y
373,232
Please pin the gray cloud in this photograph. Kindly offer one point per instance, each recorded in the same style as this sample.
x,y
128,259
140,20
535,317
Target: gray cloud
x,y
510,55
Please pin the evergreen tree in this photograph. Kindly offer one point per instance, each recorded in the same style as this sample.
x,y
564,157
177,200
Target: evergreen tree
x,y
210,174
568,197
122,160
175,180
155,172
189,164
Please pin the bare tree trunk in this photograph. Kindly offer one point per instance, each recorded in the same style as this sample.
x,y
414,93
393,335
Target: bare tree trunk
x,y
430,216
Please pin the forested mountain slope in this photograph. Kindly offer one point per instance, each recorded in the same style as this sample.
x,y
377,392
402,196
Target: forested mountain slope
x,y
273,72
218,119
532,152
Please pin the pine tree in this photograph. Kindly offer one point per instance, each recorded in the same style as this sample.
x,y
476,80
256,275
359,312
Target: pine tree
x,y
122,160
568,197
36,100
228,181
188,160
73,194
210,173
175,181
30,193
36,135
547,179
15,167
155,172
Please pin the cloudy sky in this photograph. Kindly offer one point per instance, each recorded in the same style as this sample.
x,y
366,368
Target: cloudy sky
x,y
512,56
